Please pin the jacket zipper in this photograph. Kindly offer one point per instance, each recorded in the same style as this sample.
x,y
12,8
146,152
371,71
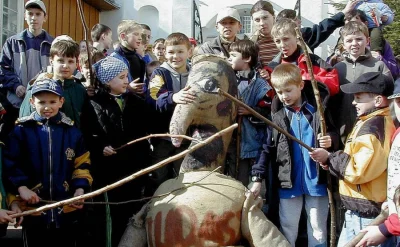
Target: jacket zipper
x,y
301,152
50,166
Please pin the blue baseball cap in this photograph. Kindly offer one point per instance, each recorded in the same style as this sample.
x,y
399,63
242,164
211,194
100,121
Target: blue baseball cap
x,y
47,85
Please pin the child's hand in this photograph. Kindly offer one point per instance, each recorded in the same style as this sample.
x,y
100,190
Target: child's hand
x,y
373,237
20,91
264,74
28,195
90,91
350,6
78,204
108,151
136,87
319,155
5,216
324,166
183,96
384,18
324,141
243,111
15,208
255,188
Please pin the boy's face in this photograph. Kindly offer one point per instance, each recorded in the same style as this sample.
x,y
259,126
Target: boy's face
x,y
148,35
228,28
286,43
63,67
82,46
159,51
35,18
176,56
86,73
263,21
290,94
363,102
119,83
237,61
107,40
47,104
355,44
133,39
149,71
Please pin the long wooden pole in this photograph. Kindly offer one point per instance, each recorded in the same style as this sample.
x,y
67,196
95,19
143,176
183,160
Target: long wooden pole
x,y
320,110
89,53
267,121
129,178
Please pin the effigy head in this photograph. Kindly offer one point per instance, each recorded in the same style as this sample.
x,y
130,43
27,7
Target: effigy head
x,y
209,113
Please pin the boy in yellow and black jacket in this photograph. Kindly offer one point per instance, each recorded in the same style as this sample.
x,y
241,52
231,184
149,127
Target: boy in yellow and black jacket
x,y
362,166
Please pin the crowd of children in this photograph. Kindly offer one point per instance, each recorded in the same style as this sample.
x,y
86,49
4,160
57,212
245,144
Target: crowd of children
x,y
65,122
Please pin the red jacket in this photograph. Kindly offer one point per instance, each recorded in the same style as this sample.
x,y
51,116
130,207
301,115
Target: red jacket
x,y
391,226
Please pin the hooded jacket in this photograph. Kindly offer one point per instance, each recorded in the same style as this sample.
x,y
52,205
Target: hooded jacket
x,y
49,157
349,71
362,166
283,147
14,67
164,83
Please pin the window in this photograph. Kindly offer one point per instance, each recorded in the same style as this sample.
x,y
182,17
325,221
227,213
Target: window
x,y
11,20
246,24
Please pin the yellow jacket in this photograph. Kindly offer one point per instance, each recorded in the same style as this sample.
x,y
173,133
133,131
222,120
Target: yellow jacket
x,y
362,166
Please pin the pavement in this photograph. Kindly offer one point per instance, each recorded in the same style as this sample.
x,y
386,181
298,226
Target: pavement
x,y
13,237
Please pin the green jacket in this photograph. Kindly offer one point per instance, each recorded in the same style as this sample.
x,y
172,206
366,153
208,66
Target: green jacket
x,y
74,93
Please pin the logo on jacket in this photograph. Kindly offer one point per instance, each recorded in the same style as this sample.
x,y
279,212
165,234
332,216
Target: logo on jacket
x,y
70,153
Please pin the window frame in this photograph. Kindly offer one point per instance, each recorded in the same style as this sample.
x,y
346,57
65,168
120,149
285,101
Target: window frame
x,y
20,19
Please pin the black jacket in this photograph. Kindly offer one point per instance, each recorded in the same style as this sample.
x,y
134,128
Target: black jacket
x,y
104,124
278,149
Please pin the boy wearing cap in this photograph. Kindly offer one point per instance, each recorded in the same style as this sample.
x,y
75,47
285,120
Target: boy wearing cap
x,y
362,166
114,117
227,25
46,159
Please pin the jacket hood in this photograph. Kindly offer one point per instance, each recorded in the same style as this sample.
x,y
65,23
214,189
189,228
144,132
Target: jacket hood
x,y
165,65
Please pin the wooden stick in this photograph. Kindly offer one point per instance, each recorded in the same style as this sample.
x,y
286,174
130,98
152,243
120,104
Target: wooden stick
x,y
377,221
129,178
320,110
270,123
238,138
153,136
85,28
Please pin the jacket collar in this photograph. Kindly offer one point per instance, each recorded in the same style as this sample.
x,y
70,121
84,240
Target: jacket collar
x,y
376,112
366,56
47,39
57,119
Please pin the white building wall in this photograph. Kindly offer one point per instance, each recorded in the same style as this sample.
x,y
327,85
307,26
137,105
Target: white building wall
x,y
177,15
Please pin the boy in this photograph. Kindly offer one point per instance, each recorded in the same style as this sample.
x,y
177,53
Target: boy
x,y
63,59
46,160
300,181
285,38
243,57
166,89
227,25
386,55
148,56
159,49
130,37
362,166
101,37
357,61
149,70
24,55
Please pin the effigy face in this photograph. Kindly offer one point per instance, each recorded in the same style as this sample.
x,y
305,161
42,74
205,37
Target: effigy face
x,y
209,113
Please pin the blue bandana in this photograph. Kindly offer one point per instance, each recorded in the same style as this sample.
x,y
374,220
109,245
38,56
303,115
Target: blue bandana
x,y
108,68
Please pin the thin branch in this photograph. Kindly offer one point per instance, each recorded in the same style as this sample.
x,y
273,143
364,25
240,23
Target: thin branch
x,y
153,136
131,177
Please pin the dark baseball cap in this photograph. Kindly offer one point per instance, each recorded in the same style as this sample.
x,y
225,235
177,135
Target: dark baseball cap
x,y
396,92
370,82
47,85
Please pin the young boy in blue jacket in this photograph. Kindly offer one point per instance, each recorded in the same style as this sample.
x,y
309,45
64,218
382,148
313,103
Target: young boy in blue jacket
x,y
46,160
301,182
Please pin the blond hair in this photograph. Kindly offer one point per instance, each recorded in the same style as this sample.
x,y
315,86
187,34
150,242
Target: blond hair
x,y
286,74
352,27
126,27
283,27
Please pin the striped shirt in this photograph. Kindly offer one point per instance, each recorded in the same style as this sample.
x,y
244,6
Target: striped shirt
x,y
268,49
